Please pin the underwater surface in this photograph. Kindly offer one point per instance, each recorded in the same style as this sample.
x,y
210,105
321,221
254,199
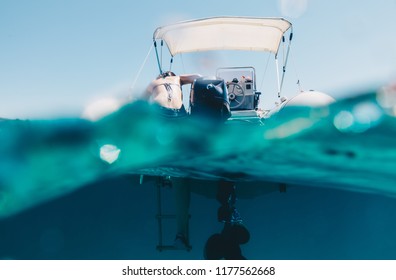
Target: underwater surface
x,y
70,188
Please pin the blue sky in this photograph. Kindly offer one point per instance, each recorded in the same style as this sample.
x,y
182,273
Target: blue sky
x,y
57,57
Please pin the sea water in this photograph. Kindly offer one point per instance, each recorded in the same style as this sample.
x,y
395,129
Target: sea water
x,y
70,188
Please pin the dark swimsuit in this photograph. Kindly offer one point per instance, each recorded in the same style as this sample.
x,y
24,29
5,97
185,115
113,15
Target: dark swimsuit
x,y
172,113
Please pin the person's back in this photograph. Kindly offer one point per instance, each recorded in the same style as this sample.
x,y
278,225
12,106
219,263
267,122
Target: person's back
x,y
166,91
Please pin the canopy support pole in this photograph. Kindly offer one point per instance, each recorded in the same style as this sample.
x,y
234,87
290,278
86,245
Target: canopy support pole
x,y
162,46
171,63
158,60
285,63
277,74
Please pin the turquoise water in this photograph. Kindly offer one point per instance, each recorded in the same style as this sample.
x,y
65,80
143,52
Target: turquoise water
x,y
70,188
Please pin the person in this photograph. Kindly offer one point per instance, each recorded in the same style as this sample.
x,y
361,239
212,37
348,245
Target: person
x,y
166,92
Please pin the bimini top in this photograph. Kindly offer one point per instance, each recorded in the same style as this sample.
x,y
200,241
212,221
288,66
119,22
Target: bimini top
x,y
224,33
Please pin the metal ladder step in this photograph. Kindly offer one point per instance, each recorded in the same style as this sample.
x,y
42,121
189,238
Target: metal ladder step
x,y
160,219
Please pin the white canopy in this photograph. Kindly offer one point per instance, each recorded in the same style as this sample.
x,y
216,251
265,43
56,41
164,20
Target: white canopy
x,y
224,33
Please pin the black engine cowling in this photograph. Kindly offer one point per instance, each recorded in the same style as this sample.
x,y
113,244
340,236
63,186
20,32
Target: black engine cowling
x,y
209,99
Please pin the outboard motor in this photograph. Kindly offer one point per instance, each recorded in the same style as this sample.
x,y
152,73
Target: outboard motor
x,y
209,99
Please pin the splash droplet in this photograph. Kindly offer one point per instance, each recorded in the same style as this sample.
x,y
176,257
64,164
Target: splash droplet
x,y
362,117
109,153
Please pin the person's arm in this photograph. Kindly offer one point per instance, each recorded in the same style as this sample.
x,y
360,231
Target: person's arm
x,y
189,78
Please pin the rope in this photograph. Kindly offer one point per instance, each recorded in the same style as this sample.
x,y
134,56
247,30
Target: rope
x,y
265,73
182,62
141,68
296,74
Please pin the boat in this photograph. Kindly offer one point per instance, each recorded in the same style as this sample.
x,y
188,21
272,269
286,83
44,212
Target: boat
x,y
234,86
229,33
